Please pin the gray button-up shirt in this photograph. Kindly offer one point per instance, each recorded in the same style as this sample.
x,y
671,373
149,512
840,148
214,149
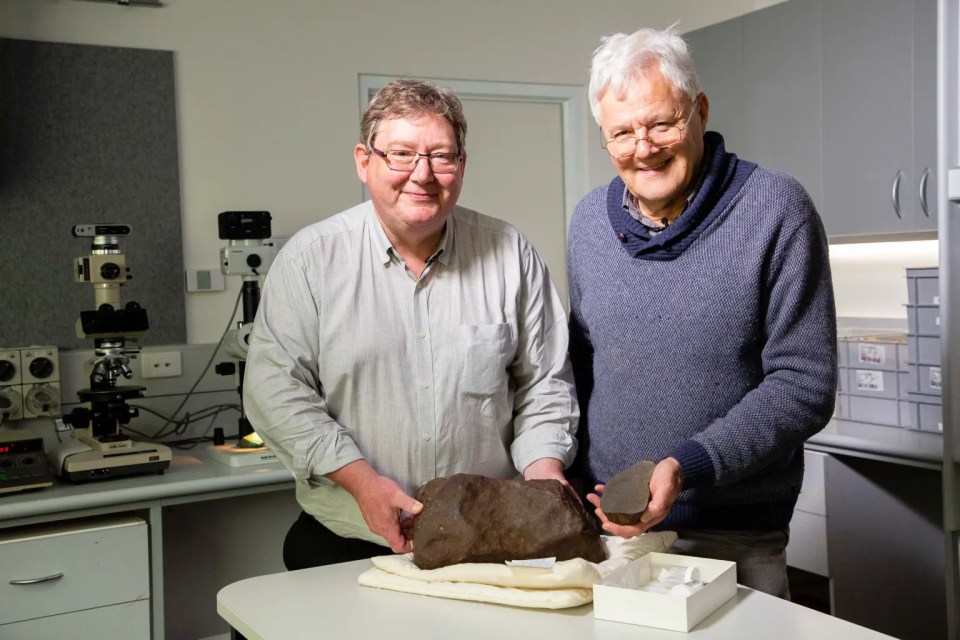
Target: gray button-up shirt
x,y
462,371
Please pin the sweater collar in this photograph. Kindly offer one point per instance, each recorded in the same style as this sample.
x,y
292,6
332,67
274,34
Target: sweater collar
x,y
722,178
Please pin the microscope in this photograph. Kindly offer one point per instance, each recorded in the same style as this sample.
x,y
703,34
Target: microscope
x,y
101,450
249,254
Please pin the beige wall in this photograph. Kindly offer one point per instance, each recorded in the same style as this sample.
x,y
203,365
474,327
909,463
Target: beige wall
x,y
267,90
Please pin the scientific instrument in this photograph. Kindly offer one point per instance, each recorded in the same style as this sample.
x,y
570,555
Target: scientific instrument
x,y
249,254
101,450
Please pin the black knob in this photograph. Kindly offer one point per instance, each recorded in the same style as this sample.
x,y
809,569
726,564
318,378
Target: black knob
x,y
41,367
7,370
225,368
254,261
109,270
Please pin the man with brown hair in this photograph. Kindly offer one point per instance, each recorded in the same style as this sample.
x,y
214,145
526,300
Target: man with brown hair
x,y
406,339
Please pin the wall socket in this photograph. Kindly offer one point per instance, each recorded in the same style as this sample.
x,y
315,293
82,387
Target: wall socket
x,y
160,364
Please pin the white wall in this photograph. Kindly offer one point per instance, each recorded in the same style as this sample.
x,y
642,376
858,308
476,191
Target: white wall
x,y
267,90
869,279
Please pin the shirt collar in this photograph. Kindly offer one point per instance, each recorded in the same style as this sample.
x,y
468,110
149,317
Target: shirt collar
x,y
387,253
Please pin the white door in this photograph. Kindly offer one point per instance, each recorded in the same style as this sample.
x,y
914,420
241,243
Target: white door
x,y
515,173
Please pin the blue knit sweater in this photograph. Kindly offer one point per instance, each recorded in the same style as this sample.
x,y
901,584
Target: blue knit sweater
x,y
713,342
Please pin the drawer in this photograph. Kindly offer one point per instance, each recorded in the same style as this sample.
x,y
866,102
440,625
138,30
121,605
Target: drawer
x,y
130,621
807,548
103,561
812,494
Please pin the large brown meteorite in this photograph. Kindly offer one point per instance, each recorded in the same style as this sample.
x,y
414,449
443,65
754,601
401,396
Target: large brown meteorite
x,y
470,518
626,495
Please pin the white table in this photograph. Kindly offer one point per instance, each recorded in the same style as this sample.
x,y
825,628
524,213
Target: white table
x,y
327,602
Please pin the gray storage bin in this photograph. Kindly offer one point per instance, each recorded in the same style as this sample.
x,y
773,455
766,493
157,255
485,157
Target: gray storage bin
x,y
884,411
873,383
923,286
888,353
928,380
923,320
928,415
923,350
908,380
906,411
842,408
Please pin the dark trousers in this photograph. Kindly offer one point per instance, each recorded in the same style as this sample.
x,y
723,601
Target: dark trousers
x,y
310,544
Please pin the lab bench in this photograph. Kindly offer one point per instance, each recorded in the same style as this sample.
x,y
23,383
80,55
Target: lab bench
x,y
202,525
879,535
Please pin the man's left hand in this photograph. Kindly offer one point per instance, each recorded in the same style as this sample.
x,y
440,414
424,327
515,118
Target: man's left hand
x,y
665,485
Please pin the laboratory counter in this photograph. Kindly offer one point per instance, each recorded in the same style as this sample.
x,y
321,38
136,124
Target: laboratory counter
x,y
202,519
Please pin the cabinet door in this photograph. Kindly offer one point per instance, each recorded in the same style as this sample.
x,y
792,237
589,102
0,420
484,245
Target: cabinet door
x,y
866,108
718,54
925,113
782,90
130,621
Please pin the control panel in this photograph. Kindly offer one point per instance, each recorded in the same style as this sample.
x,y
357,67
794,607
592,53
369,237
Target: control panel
x,y
23,464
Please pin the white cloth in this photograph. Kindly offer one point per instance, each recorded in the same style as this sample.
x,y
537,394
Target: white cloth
x,y
568,584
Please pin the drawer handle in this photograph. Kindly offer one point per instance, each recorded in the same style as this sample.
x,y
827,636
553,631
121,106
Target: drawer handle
x,y
55,576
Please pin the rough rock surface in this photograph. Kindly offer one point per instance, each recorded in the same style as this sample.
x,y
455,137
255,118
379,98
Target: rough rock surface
x,y
626,495
470,518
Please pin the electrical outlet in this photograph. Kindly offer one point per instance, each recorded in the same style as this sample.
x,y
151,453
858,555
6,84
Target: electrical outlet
x,y
160,364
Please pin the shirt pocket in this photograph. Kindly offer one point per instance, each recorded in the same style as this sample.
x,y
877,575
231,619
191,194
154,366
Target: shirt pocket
x,y
487,351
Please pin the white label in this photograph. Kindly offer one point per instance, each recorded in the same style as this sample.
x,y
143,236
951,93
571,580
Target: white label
x,y
936,299
938,321
536,563
869,380
872,353
935,378
940,427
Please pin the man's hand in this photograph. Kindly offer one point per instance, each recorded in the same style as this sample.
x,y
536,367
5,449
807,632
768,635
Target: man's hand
x,y
545,469
549,469
665,485
386,509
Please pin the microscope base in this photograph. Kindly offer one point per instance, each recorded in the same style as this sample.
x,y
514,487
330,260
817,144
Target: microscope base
x,y
234,456
140,458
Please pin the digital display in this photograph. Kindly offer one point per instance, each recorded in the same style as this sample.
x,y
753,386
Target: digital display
x,y
21,446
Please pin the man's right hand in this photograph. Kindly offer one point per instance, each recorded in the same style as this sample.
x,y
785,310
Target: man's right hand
x,y
382,503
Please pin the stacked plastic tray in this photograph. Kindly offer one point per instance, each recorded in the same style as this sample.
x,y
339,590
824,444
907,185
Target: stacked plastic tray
x,y
893,378
873,379
923,349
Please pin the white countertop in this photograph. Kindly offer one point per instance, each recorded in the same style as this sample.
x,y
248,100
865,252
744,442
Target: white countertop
x,y
328,602
190,473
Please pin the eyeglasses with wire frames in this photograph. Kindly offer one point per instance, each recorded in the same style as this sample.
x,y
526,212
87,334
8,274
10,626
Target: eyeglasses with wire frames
x,y
661,135
404,160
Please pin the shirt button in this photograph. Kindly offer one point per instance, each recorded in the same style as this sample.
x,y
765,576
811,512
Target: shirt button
x,y
622,237
423,334
424,385
426,437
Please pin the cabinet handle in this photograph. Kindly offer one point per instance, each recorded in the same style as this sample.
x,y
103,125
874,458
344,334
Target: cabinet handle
x,y
55,576
895,195
923,191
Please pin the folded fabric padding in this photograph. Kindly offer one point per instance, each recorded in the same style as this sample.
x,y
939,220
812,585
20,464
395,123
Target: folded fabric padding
x,y
568,584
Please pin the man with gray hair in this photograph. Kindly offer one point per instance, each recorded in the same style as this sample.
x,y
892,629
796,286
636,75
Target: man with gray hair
x,y
406,339
702,321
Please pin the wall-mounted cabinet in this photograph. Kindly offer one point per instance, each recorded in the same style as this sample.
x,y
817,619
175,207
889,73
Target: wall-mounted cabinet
x,y
839,94
878,104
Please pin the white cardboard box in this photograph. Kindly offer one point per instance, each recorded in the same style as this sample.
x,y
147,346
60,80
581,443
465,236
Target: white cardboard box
x,y
618,598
